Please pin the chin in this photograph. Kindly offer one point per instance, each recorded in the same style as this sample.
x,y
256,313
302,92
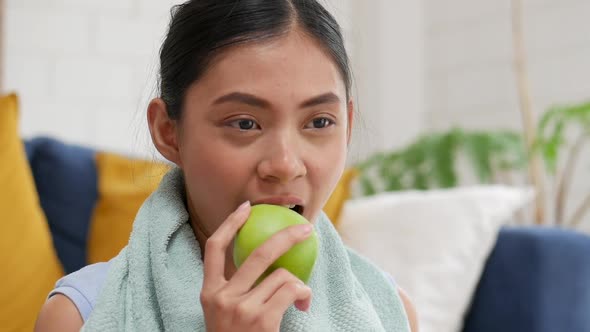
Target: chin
x,y
312,216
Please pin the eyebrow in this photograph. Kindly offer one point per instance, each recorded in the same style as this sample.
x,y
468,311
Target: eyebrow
x,y
249,99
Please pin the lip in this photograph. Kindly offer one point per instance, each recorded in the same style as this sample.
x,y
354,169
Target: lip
x,y
280,200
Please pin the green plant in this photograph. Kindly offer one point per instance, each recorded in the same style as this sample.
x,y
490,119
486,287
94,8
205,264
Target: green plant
x,y
432,161
553,130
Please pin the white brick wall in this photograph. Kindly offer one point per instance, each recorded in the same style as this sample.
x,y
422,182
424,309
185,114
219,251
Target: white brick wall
x,y
85,69
469,76
94,5
37,30
469,57
388,62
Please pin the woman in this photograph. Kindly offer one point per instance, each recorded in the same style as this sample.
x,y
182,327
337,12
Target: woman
x,y
254,107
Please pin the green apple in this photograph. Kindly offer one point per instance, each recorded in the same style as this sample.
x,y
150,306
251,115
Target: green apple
x,y
266,220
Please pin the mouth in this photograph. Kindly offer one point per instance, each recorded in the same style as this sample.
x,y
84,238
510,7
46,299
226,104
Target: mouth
x,y
291,203
296,208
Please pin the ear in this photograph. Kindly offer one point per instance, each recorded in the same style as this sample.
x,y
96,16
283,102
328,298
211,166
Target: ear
x,y
164,131
350,115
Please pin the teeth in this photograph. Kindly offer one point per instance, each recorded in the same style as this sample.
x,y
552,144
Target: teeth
x,y
289,206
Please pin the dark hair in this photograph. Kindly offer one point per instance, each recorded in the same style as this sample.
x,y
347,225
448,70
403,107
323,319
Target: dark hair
x,y
199,29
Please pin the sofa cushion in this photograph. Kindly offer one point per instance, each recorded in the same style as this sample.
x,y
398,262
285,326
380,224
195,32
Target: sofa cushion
x,y
28,259
341,194
536,279
123,184
66,179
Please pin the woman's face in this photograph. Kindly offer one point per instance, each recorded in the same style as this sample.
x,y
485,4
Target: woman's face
x,y
267,123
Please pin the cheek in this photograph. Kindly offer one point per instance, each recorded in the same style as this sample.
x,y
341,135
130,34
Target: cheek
x,y
328,168
214,164
213,180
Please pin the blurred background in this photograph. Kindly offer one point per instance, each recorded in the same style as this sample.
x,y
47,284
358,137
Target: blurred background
x,y
85,70
450,93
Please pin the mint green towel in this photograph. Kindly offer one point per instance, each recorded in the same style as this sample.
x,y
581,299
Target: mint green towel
x,y
154,283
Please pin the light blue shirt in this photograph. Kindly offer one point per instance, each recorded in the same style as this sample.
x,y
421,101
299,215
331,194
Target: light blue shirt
x,y
83,286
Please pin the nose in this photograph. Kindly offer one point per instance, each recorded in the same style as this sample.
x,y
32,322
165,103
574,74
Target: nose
x,y
282,162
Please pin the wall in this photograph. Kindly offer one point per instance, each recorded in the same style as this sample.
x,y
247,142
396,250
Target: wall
x,y
388,61
84,69
469,59
2,15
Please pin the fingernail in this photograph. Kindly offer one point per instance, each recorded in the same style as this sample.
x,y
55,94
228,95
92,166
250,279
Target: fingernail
x,y
306,229
244,206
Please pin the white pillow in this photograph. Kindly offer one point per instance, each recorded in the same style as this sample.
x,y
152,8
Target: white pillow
x,y
434,243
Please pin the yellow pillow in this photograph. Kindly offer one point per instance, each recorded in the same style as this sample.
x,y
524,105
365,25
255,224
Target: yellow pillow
x,y
123,186
340,194
29,261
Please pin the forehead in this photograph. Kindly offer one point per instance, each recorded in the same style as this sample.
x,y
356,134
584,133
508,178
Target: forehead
x,y
294,64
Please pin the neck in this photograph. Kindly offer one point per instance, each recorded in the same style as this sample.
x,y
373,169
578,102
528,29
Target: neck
x,y
201,235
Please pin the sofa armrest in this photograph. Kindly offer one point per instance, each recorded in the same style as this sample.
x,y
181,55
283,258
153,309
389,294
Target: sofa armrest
x,y
536,279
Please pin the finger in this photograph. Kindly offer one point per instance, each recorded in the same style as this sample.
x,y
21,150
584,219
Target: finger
x,y
265,255
289,293
269,286
216,246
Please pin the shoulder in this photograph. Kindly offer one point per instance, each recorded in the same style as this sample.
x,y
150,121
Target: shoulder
x,y
59,314
410,309
73,298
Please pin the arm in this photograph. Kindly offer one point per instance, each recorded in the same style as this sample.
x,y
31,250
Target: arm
x,y
410,310
59,314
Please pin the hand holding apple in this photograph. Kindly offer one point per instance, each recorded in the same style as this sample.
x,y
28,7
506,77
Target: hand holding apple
x,y
245,300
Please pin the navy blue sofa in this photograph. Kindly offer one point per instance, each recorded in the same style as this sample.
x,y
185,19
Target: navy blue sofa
x,y
535,280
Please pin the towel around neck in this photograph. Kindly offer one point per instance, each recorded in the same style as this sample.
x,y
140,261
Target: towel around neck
x,y
155,281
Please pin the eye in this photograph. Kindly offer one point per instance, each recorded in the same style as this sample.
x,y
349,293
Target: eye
x,y
244,124
319,123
